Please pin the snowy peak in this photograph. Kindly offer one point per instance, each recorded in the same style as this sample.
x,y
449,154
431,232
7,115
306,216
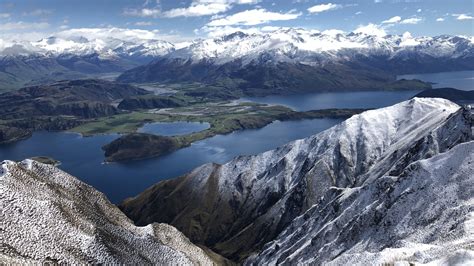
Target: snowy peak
x,y
49,216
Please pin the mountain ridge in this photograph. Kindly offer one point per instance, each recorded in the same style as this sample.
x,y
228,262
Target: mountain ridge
x,y
237,207
307,61
229,59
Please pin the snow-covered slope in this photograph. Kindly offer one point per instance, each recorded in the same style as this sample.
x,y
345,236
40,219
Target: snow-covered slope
x,y
425,214
48,216
237,207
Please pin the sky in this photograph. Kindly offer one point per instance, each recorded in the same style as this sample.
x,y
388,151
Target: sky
x,y
183,20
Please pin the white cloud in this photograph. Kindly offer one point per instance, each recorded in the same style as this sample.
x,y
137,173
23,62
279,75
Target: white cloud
x,y
371,29
392,20
411,21
144,12
418,10
4,15
125,34
119,33
241,2
440,19
205,8
358,12
408,40
195,10
143,23
333,32
272,28
20,25
253,17
464,17
398,19
323,7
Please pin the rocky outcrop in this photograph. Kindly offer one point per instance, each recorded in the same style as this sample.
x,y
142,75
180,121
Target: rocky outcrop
x,y
11,134
49,216
238,207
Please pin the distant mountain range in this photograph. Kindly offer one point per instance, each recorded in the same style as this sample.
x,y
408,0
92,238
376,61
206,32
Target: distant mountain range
x,y
294,60
55,58
285,58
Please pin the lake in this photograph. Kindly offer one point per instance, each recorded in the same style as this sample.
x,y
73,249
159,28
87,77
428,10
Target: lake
x,y
83,157
463,80
326,100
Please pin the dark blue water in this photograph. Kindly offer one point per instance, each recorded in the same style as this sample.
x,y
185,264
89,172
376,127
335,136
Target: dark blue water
x,y
462,80
325,100
83,157
173,128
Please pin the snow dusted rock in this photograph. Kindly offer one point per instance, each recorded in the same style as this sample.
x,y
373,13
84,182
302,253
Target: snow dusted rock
x,y
237,207
47,215
423,215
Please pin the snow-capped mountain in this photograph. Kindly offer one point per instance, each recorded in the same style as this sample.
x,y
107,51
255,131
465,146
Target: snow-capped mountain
x,y
238,207
297,59
76,53
105,43
313,47
48,216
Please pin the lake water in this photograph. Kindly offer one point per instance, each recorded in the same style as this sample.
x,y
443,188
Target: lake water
x,y
173,128
462,80
83,157
326,100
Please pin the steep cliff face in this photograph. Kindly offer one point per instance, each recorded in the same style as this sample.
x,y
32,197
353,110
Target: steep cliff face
x,y
237,207
49,216
425,214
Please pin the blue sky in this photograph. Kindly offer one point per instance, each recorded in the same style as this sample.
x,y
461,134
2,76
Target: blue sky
x,y
187,19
